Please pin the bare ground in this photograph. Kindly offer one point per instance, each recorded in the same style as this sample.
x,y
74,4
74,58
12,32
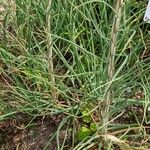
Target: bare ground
x,y
14,135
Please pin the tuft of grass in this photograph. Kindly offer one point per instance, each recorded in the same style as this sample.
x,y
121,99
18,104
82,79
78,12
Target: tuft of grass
x,y
54,60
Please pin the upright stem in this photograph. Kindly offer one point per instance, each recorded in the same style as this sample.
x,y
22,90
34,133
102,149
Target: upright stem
x,y
50,52
111,57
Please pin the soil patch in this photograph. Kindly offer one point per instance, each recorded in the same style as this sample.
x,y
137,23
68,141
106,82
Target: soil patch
x,y
14,135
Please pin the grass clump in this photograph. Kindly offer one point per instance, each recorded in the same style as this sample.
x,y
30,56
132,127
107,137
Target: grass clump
x,y
54,59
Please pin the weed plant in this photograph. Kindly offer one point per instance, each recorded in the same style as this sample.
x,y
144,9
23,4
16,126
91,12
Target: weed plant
x,y
79,34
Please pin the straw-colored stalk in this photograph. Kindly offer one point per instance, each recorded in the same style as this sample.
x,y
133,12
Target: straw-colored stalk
x,y
111,57
50,52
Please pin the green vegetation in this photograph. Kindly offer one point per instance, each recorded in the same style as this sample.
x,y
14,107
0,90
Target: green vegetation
x,y
54,59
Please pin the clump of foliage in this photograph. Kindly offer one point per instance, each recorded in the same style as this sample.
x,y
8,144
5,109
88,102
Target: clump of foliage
x,y
54,59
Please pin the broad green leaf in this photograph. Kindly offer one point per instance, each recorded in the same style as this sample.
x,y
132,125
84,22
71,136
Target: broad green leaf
x,y
83,133
93,127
